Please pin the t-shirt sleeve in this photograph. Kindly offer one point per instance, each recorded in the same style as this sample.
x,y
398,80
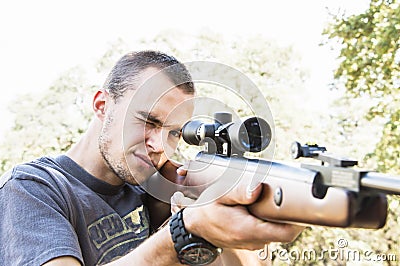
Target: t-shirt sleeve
x,y
34,221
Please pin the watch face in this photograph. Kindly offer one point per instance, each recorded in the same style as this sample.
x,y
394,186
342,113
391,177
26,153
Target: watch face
x,y
198,254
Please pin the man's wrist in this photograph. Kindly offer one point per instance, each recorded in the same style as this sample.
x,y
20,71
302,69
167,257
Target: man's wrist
x,y
190,249
190,225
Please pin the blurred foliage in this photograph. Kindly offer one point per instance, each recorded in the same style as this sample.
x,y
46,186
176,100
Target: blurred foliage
x,y
369,73
51,122
370,69
47,123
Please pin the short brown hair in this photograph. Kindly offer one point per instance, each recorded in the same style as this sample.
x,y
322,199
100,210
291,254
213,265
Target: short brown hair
x,y
124,74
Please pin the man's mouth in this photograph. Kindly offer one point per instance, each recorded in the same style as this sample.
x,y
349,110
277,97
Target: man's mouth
x,y
147,160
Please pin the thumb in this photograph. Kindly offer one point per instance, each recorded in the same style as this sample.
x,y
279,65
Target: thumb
x,y
242,194
182,171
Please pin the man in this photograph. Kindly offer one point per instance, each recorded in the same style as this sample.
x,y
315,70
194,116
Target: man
x,y
86,207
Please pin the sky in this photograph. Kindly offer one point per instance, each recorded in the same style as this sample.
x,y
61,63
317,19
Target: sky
x,y
41,39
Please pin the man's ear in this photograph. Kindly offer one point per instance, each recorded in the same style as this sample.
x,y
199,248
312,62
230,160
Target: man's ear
x,y
99,104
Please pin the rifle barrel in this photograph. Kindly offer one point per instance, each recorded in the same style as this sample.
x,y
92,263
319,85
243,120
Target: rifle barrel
x,y
381,182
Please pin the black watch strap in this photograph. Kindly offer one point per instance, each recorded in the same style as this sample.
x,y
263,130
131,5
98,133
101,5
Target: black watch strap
x,y
180,236
183,239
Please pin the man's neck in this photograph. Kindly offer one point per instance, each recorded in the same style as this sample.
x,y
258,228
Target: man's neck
x,y
86,153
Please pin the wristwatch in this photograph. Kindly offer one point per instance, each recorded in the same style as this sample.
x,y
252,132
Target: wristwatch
x,y
191,249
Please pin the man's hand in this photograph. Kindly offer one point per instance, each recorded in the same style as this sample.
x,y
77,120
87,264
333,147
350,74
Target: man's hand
x,y
226,222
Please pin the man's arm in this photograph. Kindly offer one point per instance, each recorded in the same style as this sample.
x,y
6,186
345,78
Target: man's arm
x,y
157,250
61,261
34,229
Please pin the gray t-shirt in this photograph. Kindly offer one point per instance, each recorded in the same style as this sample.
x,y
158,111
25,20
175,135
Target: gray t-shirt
x,y
52,207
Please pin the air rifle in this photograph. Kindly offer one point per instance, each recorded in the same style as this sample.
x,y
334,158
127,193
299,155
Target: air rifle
x,y
333,193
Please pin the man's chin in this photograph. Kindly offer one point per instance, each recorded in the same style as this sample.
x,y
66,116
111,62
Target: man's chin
x,y
143,176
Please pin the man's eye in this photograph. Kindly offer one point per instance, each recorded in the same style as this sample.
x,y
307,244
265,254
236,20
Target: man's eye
x,y
150,124
175,133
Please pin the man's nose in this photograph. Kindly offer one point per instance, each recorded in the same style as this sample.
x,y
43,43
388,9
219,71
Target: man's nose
x,y
154,140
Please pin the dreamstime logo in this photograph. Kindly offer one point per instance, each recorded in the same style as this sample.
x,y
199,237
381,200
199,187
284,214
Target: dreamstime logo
x,y
341,252
229,90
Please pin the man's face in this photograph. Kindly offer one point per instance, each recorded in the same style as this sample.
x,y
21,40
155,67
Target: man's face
x,y
142,129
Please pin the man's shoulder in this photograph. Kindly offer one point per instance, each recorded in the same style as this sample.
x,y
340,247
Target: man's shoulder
x,y
43,170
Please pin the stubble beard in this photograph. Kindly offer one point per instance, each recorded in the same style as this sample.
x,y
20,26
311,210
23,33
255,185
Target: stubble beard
x,y
117,165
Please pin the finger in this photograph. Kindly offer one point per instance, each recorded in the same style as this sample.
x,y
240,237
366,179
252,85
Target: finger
x,y
168,171
186,201
176,198
278,232
182,171
179,201
244,193
174,209
175,201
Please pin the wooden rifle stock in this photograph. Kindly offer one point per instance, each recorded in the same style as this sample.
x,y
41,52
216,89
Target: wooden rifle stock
x,y
290,194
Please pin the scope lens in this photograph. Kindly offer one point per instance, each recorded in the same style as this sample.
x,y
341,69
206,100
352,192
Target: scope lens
x,y
254,134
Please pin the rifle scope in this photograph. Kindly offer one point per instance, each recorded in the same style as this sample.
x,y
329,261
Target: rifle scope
x,y
252,134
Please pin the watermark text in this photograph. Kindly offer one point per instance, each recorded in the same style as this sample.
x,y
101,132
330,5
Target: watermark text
x,y
341,252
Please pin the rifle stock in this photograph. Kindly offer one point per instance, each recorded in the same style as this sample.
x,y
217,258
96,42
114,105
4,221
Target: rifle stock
x,y
293,194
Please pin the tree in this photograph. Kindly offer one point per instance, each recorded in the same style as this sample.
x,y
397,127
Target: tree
x,y
48,123
369,70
